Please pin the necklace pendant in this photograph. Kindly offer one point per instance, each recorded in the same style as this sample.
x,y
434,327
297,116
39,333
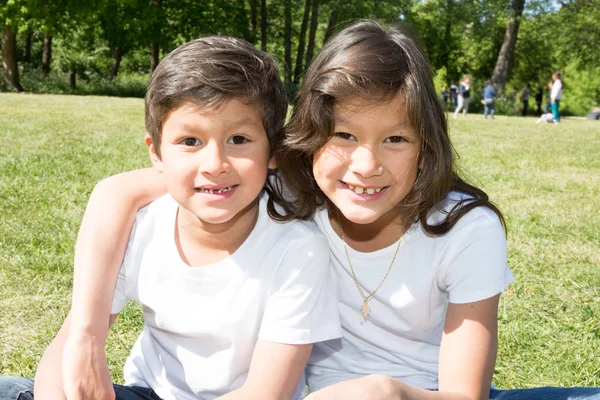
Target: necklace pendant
x,y
364,310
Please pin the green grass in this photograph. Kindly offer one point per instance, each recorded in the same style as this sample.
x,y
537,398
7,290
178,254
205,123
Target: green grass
x,y
545,178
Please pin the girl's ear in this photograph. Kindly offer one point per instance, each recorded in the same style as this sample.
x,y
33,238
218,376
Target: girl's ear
x,y
156,161
272,163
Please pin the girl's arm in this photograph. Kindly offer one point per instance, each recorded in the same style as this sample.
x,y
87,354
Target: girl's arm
x,y
275,371
99,252
467,358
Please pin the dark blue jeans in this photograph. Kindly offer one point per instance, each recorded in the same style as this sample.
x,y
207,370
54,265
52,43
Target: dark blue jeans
x,y
17,388
546,393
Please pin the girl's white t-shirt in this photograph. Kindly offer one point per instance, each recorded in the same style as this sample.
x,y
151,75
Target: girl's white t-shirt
x,y
402,334
201,324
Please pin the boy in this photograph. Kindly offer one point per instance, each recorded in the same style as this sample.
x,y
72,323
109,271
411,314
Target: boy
x,y
232,300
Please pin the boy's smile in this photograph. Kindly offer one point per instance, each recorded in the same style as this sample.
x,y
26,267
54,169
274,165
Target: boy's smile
x,y
370,163
215,162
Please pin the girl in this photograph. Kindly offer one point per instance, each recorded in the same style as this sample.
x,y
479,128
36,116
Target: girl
x,y
420,255
556,93
464,95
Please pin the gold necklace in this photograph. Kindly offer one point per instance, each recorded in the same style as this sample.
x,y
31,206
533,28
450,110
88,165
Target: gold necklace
x,y
365,309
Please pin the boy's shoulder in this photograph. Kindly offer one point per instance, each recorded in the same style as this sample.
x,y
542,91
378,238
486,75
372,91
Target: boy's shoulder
x,y
289,231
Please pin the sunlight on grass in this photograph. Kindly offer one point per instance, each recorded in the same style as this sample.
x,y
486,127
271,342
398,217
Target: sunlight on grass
x,y
545,178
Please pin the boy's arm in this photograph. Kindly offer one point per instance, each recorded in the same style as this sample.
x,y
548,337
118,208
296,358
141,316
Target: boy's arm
x,y
99,252
48,377
274,372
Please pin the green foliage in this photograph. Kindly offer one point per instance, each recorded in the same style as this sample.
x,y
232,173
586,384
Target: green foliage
x,y
92,83
459,36
582,88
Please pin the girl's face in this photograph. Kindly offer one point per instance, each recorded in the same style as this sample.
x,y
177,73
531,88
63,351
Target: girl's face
x,y
370,163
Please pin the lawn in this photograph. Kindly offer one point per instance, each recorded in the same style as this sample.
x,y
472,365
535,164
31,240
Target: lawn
x,y
545,178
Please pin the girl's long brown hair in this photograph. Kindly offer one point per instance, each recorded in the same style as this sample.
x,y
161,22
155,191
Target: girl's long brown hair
x,y
375,64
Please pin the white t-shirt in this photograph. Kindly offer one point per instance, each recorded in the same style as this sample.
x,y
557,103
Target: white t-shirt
x,y
557,90
402,334
202,324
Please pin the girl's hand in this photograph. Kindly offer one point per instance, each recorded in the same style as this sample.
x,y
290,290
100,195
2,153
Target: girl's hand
x,y
370,387
85,370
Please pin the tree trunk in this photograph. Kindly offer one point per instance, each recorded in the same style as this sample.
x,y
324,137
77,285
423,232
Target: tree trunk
x,y
241,20
10,68
155,47
263,25
301,44
154,50
505,56
27,49
253,20
314,21
331,25
47,54
287,43
73,79
117,57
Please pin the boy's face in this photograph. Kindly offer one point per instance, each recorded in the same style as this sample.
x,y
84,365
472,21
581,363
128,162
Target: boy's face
x,y
215,161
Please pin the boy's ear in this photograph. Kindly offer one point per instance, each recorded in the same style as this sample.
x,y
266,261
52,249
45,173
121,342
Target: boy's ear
x,y
156,161
272,163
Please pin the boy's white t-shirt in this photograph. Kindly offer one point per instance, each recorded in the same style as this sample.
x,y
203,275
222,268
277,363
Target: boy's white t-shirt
x,y
402,334
202,324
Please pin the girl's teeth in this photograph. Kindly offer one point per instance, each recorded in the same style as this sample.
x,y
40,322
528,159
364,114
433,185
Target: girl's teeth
x,y
359,190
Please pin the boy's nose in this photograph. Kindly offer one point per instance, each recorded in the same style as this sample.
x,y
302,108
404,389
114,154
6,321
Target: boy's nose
x,y
365,162
213,159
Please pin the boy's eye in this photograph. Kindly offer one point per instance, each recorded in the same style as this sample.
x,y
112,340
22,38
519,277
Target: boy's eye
x,y
344,135
190,141
395,139
238,139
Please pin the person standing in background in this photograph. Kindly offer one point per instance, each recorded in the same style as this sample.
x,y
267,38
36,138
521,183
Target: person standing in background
x,y
444,96
453,95
464,95
556,95
538,102
525,99
489,93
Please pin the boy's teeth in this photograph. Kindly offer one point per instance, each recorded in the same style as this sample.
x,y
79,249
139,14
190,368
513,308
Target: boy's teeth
x,y
370,191
211,191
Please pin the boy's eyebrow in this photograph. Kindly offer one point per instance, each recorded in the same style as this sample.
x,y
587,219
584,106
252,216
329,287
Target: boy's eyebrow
x,y
230,124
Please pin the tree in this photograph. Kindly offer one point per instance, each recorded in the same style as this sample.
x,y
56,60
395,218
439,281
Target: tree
x,y
314,20
10,69
263,25
301,44
505,56
11,14
287,43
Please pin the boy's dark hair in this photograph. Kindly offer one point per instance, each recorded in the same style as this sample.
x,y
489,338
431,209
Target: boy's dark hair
x,y
210,71
375,64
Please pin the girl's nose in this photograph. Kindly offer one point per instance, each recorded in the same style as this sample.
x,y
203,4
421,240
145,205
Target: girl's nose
x,y
365,162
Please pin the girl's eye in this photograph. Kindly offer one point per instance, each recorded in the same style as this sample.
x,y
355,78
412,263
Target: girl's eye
x,y
344,135
238,139
395,139
191,142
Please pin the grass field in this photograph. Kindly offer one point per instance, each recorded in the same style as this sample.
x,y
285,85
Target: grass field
x,y
545,178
